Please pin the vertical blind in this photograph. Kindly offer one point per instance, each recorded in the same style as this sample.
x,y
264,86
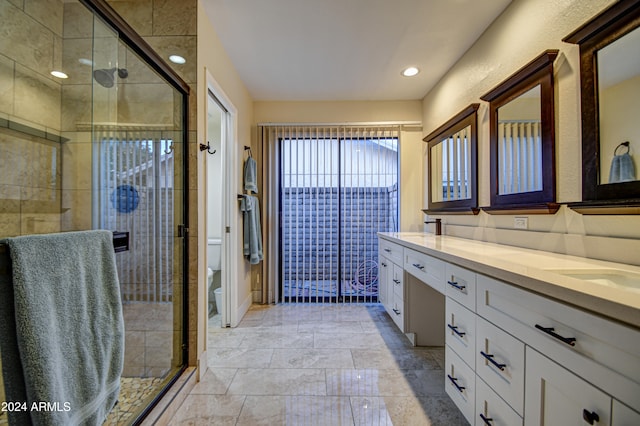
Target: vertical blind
x,y
338,188
450,162
520,156
135,194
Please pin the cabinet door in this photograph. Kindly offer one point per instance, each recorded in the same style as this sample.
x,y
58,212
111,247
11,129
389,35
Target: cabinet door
x,y
621,415
460,384
383,279
555,396
491,410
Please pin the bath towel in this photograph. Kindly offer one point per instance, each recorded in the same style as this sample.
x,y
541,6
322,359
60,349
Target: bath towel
x,y
250,175
622,168
11,367
68,325
252,248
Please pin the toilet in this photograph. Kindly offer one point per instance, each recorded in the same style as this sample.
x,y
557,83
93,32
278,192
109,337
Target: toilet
x,y
209,279
218,295
214,246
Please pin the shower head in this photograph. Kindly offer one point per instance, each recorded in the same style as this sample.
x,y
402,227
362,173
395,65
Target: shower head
x,y
106,77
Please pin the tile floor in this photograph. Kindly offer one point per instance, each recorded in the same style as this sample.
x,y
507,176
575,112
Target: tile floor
x,y
318,365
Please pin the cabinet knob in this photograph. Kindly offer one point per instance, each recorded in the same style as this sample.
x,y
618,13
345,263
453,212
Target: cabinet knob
x,y
590,416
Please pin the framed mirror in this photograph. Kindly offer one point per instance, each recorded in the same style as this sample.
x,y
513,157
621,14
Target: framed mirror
x,y
522,147
452,158
610,101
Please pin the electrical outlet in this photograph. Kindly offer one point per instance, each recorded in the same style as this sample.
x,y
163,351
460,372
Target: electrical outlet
x,y
521,222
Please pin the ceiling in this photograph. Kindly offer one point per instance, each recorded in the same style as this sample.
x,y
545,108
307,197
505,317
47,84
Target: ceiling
x,y
315,50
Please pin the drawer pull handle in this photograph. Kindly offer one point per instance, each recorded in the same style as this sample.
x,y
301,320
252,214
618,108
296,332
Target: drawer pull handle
x,y
383,264
456,285
397,312
489,358
454,328
571,341
487,421
396,281
455,383
590,416
387,250
419,266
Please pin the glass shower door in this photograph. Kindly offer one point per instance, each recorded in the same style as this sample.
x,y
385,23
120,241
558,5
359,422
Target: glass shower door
x,y
137,146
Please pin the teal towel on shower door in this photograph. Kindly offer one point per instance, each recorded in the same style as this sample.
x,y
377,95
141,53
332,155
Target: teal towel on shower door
x,y
68,324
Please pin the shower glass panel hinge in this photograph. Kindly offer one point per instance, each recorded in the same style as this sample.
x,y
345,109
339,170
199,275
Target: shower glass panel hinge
x,y
182,231
227,229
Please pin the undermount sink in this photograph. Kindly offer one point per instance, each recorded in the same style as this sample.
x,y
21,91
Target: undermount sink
x,y
608,277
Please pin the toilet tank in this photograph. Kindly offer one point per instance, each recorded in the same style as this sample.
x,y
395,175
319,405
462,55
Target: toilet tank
x,y
214,251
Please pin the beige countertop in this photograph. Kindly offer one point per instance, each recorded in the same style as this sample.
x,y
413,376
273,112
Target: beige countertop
x,y
608,289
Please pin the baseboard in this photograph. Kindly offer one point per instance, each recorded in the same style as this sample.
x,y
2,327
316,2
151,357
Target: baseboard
x,y
243,309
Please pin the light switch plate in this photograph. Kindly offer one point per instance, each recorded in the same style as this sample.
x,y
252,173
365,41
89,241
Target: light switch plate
x,y
521,222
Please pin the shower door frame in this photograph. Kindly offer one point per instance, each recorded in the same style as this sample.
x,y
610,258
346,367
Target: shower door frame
x,y
136,43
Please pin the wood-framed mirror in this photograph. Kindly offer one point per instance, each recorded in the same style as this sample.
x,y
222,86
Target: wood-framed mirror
x,y
452,152
610,103
522,135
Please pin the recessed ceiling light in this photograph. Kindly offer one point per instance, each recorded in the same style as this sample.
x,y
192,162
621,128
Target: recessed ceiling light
x,y
85,61
59,74
177,59
410,72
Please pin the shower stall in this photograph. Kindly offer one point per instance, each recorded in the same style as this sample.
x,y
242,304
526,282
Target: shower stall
x,y
92,136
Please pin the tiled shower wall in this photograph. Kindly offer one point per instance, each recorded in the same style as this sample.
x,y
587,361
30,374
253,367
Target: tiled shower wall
x,y
30,47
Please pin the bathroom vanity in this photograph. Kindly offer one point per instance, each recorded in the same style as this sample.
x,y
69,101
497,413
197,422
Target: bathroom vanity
x,y
530,337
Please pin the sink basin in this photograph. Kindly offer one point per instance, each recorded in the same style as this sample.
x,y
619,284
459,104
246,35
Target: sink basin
x,y
608,277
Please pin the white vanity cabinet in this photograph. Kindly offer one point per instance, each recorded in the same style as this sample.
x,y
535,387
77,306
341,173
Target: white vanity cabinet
x,y
516,353
395,295
391,281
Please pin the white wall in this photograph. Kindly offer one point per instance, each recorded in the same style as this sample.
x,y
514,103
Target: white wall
x,y
523,31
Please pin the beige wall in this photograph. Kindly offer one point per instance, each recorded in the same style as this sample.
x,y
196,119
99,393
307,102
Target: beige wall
x,y
524,30
213,58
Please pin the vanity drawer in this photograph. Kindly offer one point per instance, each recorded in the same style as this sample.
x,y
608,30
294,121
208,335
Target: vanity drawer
x,y
397,281
500,363
491,407
391,251
426,268
460,331
603,352
397,313
460,384
461,285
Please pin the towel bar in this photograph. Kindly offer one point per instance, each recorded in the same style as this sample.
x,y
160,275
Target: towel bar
x,y
120,243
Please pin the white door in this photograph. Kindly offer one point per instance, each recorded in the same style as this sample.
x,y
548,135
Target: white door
x,y
555,396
